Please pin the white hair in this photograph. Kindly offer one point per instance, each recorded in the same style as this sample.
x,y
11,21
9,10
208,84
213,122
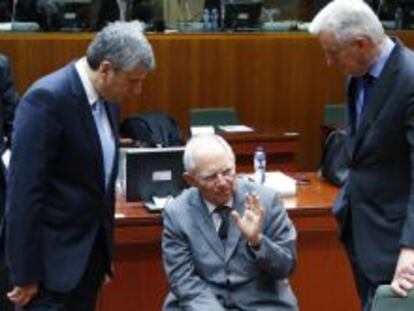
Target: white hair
x,y
348,19
202,145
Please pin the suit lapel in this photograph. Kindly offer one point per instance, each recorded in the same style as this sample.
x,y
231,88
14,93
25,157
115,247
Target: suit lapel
x,y
379,95
203,220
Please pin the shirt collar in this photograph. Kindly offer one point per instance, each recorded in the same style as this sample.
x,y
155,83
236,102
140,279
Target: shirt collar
x,y
211,207
91,94
387,47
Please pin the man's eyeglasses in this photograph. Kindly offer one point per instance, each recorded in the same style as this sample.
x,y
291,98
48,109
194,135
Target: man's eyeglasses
x,y
227,172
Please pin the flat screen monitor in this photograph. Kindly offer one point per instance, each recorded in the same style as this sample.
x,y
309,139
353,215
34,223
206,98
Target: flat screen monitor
x,y
152,172
74,15
404,14
242,15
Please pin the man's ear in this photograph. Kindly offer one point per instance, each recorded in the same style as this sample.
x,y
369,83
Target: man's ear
x,y
190,179
104,68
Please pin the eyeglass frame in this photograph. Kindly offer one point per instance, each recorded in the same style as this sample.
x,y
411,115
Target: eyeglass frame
x,y
226,172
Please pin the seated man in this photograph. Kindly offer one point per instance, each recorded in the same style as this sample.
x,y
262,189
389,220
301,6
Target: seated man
x,y
214,263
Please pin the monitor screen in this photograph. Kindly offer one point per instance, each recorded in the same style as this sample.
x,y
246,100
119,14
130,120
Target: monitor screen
x,y
73,15
404,14
242,15
153,172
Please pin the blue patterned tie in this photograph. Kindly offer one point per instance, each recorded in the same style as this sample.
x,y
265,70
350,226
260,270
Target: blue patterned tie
x,y
105,137
366,83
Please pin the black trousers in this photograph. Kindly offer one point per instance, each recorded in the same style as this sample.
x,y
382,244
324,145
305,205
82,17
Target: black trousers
x,y
83,296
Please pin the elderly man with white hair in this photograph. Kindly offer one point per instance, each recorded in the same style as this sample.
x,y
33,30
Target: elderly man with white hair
x,y
376,204
216,263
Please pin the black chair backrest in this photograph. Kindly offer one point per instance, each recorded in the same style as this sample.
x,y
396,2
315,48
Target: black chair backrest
x,y
152,130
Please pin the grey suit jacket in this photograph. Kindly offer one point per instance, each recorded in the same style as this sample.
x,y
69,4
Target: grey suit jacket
x,y
203,275
377,201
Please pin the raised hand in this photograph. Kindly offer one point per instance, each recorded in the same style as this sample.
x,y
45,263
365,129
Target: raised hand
x,y
250,223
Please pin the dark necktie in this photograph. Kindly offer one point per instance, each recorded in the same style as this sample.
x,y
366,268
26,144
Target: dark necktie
x,y
366,85
224,213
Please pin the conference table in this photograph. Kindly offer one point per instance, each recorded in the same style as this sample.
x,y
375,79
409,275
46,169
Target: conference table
x,y
321,281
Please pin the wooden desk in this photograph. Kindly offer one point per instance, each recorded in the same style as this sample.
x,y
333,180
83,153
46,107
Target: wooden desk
x,y
280,147
322,279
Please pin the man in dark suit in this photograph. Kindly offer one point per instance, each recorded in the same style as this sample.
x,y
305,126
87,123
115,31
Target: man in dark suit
x,y
214,263
376,204
8,102
60,210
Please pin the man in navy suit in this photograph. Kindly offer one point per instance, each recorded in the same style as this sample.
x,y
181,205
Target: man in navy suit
x,y
60,209
8,102
376,204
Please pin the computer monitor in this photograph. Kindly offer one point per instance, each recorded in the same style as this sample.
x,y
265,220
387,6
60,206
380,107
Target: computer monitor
x,y
404,14
242,15
150,172
74,15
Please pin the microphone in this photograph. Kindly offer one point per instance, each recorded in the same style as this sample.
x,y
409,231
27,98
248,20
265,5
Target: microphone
x,y
21,26
13,15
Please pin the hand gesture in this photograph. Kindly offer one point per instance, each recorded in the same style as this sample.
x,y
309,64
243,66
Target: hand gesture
x,y
250,223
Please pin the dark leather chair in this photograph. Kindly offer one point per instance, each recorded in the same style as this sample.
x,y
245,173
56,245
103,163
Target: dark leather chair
x,y
386,300
213,116
152,130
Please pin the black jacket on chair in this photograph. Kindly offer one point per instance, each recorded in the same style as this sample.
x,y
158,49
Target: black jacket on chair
x,y
152,130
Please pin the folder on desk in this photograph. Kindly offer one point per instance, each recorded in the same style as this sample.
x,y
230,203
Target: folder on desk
x,y
283,184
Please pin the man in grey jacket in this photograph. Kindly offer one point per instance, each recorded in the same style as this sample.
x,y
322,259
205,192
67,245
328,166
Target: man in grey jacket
x,y
216,263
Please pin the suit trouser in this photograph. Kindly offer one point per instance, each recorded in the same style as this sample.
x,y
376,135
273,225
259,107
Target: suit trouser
x,y
83,296
5,304
365,288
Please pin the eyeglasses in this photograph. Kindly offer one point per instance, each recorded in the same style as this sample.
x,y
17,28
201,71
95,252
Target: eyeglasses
x,y
226,172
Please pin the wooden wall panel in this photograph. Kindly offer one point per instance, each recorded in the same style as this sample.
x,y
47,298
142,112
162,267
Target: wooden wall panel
x,y
272,79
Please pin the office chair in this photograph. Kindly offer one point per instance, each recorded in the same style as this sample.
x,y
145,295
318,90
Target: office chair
x,y
386,300
213,116
335,115
152,130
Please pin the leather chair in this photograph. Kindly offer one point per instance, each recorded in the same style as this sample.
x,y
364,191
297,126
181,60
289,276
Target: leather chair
x,y
334,115
213,116
386,300
152,130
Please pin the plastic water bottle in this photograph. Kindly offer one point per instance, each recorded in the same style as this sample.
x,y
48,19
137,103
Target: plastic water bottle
x,y
206,20
399,18
260,165
214,19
